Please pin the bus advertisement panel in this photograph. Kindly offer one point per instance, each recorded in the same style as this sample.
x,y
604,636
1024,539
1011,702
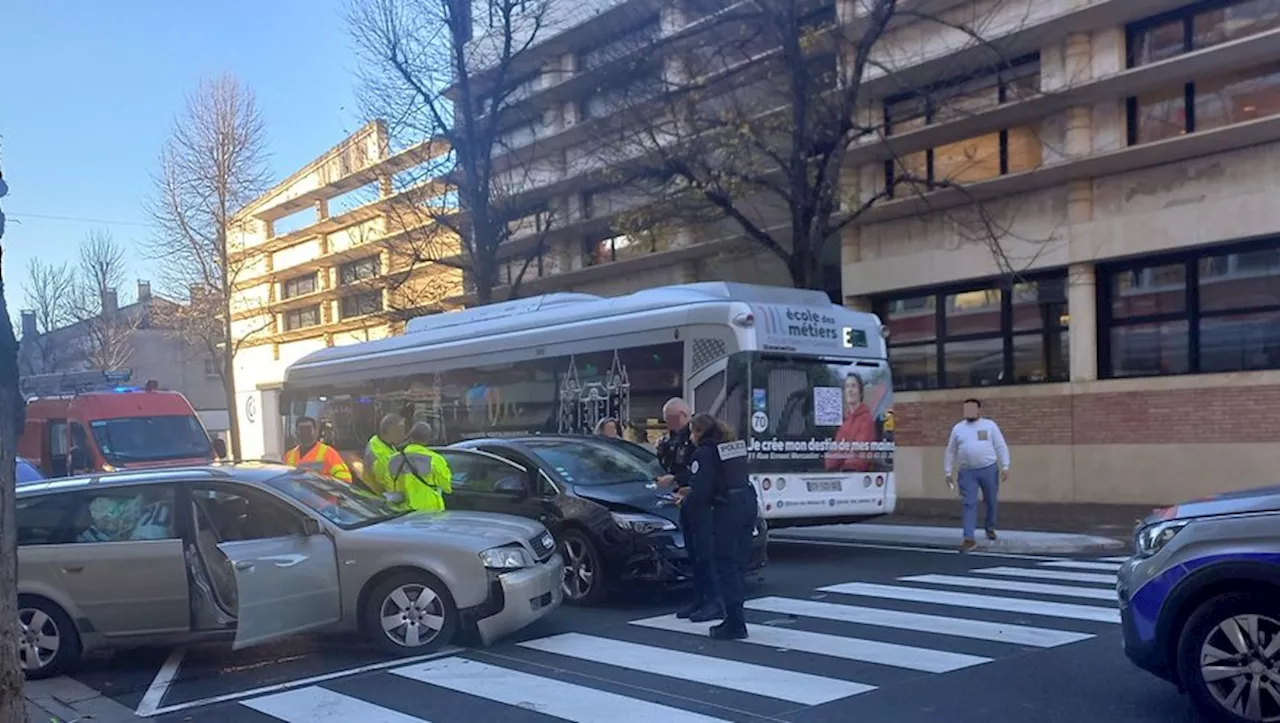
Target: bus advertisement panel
x,y
820,435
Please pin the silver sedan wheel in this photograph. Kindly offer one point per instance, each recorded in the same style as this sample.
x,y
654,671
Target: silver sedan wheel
x,y
39,639
412,615
578,572
1240,665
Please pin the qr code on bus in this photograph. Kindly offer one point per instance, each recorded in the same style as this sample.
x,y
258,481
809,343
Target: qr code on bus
x,y
827,403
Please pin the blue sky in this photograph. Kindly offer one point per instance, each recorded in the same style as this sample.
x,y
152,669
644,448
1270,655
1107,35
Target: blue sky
x,y
89,90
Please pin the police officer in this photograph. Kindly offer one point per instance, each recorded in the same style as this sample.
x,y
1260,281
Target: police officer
x,y
719,478
675,452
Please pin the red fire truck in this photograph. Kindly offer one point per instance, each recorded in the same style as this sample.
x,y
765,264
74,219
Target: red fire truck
x,y
94,421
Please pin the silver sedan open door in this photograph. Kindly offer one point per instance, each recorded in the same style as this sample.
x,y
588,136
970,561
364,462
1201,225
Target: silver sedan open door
x,y
285,585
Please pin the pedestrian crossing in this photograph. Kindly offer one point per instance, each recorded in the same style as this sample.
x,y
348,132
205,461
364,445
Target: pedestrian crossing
x,y
838,642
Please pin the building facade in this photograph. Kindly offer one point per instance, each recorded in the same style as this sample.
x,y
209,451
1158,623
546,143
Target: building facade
x,y
130,337
574,234
325,259
1107,281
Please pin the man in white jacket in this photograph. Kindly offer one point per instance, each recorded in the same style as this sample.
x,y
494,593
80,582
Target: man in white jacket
x,y
978,455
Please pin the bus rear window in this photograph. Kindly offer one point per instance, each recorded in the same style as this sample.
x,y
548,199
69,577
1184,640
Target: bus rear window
x,y
150,439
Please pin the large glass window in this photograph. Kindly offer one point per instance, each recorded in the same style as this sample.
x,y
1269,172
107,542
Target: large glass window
x,y
980,336
973,159
566,395
1214,310
1204,103
356,305
354,272
298,286
295,319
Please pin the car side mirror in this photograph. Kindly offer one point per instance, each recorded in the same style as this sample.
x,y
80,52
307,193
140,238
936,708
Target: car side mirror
x,y
78,460
518,487
311,527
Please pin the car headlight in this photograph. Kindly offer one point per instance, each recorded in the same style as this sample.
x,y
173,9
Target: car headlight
x,y
642,524
1152,538
510,557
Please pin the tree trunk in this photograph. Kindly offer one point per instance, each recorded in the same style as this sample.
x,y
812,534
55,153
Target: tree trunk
x,y
12,704
229,392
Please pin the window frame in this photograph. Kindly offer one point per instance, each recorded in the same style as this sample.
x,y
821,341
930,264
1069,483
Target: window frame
x,y
377,308
355,267
1187,16
284,321
65,533
288,287
1003,78
1006,334
1191,312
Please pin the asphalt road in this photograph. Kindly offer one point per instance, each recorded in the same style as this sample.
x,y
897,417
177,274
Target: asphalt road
x,y
840,633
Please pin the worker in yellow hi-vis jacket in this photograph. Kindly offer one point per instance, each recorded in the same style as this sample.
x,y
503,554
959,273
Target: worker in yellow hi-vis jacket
x,y
420,477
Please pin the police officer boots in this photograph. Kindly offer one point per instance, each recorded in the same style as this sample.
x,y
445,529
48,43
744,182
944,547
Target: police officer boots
x,y
691,608
734,626
709,611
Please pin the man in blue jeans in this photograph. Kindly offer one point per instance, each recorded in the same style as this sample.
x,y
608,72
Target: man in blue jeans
x,y
978,454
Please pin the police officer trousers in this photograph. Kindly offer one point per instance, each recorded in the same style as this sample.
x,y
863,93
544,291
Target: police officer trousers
x,y
699,545
734,519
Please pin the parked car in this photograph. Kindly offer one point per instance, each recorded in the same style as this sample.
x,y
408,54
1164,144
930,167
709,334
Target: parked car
x,y
598,497
27,472
250,552
1200,602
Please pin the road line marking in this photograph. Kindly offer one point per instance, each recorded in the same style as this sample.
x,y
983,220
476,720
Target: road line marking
x,y
907,548
1077,565
320,705
980,602
1118,558
1035,588
154,696
835,646
759,680
1042,574
959,627
548,696
301,682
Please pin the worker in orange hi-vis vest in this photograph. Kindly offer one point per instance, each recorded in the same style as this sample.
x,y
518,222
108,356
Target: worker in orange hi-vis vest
x,y
314,455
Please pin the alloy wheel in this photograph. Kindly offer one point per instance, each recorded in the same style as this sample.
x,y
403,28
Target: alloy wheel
x,y
412,615
578,572
38,639
1240,665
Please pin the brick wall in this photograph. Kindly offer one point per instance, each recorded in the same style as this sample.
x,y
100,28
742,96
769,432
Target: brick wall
x,y
1185,416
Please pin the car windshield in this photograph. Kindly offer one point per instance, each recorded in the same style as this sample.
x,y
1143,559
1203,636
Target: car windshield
x,y
597,463
27,472
150,439
339,502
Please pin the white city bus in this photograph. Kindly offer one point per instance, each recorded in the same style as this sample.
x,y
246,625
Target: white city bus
x,y
805,382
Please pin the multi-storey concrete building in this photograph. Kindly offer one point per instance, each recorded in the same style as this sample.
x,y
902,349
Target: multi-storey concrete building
x,y
332,255
583,69
1129,158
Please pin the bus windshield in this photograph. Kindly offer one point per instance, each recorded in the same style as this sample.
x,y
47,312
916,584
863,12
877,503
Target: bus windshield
x,y
817,415
150,439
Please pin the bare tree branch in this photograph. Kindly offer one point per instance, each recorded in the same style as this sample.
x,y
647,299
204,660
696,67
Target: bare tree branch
x,y
47,294
213,164
456,70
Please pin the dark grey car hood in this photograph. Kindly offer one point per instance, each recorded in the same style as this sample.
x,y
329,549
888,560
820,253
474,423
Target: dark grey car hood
x,y
641,496
1259,499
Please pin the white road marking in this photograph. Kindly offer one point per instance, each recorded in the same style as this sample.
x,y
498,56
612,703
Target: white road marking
x,y
300,683
1101,578
320,705
980,602
959,627
1034,588
760,680
835,646
906,548
1078,565
154,696
1118,558
547,696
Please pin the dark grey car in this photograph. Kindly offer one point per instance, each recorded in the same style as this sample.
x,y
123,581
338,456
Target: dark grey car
x,y
1200,602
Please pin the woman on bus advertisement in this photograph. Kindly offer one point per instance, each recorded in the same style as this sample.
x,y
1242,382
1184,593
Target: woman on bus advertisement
x,y
858,440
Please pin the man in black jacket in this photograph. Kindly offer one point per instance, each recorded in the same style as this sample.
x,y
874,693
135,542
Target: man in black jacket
x,y
675,452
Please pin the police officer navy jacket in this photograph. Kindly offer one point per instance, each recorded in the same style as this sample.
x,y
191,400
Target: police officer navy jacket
x,y
718,469
675,454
